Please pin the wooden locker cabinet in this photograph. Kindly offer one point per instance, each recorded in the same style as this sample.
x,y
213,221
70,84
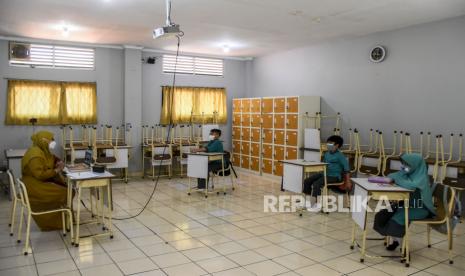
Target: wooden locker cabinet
x,y
245,136
279,120
267,151
237,105
267,166
278,154
245,161
291,138
292,104
279,137
245,105
246,120
292,121
255,149
237,120
245,148
267,121
255,164
267,136
255,135
236,146
291,153
236,160
255,105
278,168
255,120
267,105
279,105
236,133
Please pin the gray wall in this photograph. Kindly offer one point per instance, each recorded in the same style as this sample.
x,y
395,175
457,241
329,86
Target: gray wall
x,y
108,75
420,85
234,80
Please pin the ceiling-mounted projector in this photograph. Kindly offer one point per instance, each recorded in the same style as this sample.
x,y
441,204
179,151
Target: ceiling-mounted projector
x,y
170,29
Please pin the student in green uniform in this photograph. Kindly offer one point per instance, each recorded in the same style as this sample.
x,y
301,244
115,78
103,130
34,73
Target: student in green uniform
x,y
414,176
214,145
337,166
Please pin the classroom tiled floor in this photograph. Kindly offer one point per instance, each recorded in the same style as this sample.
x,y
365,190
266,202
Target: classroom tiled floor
x,y
222,235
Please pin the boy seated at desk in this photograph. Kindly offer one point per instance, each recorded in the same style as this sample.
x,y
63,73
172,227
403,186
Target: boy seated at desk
x,y
214,145
336,168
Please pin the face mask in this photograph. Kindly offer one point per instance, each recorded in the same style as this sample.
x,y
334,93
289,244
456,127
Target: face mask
x,y
52,145
211,137
330,147
405,169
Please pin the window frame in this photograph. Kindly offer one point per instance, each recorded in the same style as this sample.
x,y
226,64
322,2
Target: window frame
x,y
196,64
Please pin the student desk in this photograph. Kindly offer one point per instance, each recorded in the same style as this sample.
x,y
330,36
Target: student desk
x,y
294,173
14,157
197,167
99,181
367,190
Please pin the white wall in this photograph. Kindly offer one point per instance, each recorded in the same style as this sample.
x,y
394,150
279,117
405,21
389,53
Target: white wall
x,y
153,78
420,85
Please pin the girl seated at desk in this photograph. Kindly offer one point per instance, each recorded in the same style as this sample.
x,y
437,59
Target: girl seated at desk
x,y
413,175
214,145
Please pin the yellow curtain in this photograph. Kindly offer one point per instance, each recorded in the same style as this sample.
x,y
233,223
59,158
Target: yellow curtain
x,y
196,104
51,103
80,103
33,99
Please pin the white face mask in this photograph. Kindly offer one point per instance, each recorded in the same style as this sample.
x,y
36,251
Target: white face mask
x,y
211,137
52,145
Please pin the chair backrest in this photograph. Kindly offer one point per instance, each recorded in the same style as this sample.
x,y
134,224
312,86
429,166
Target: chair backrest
x,y
11,179
23,194
443,198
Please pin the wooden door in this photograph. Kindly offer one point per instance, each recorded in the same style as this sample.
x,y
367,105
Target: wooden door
x,y
279,121
237,119
245,148
279,137
255,149
267,136
245,162
291,153
278,168
267,166
245,134
279,105
267,105
255,135
236,133
292,105
291,138
245,105
236,105
255,120
255,164
255,105
278,153
267,121
236,146
292,121
246,120
267,151
236,159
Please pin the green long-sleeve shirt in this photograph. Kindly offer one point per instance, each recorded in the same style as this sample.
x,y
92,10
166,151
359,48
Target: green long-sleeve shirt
x,y
337,164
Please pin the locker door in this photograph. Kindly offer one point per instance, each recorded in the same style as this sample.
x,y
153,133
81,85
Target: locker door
x,y
255,164
292,121
245,105
279,105
267,151
291,138
278,168
267,121
255,149
291,153
267,136
245,134
279,120
236,147
278,153
255,135
255,105
245,162
255,120
245,148
236,159
267,166
267,105
246,120
236,133
279,137
237,119
236,105
292,105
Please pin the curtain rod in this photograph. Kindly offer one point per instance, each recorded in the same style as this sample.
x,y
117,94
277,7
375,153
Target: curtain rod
x,y
194,86
49,80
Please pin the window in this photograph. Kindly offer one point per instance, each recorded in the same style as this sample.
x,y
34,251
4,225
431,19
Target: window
x,y
193,65
51,103
193,104
50,56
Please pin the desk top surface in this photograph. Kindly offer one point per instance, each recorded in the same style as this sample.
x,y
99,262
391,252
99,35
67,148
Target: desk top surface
x,y
206,153
88,175
15,153
301,162
376,187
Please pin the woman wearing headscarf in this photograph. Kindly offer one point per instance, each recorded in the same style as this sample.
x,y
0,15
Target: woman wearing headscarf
x,y
413,175
43,179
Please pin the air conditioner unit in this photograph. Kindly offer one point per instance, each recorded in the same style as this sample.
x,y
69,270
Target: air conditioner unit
x,y
20,51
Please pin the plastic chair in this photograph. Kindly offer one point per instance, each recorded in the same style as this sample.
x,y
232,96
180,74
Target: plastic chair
x,y
444,200
25,204
15,200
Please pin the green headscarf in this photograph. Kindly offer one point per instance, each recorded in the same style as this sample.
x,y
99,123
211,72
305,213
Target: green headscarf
x,y
39,148
416,178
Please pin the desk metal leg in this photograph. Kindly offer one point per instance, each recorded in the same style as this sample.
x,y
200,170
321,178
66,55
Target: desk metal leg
x,y
364,239
406,236
189,184
325,192
110,204
224,182
352,244
78,215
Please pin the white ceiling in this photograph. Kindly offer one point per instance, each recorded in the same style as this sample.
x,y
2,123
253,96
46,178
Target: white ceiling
x,y
249,27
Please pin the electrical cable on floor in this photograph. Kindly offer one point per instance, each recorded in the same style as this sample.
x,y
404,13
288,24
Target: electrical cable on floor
x,y
170,126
